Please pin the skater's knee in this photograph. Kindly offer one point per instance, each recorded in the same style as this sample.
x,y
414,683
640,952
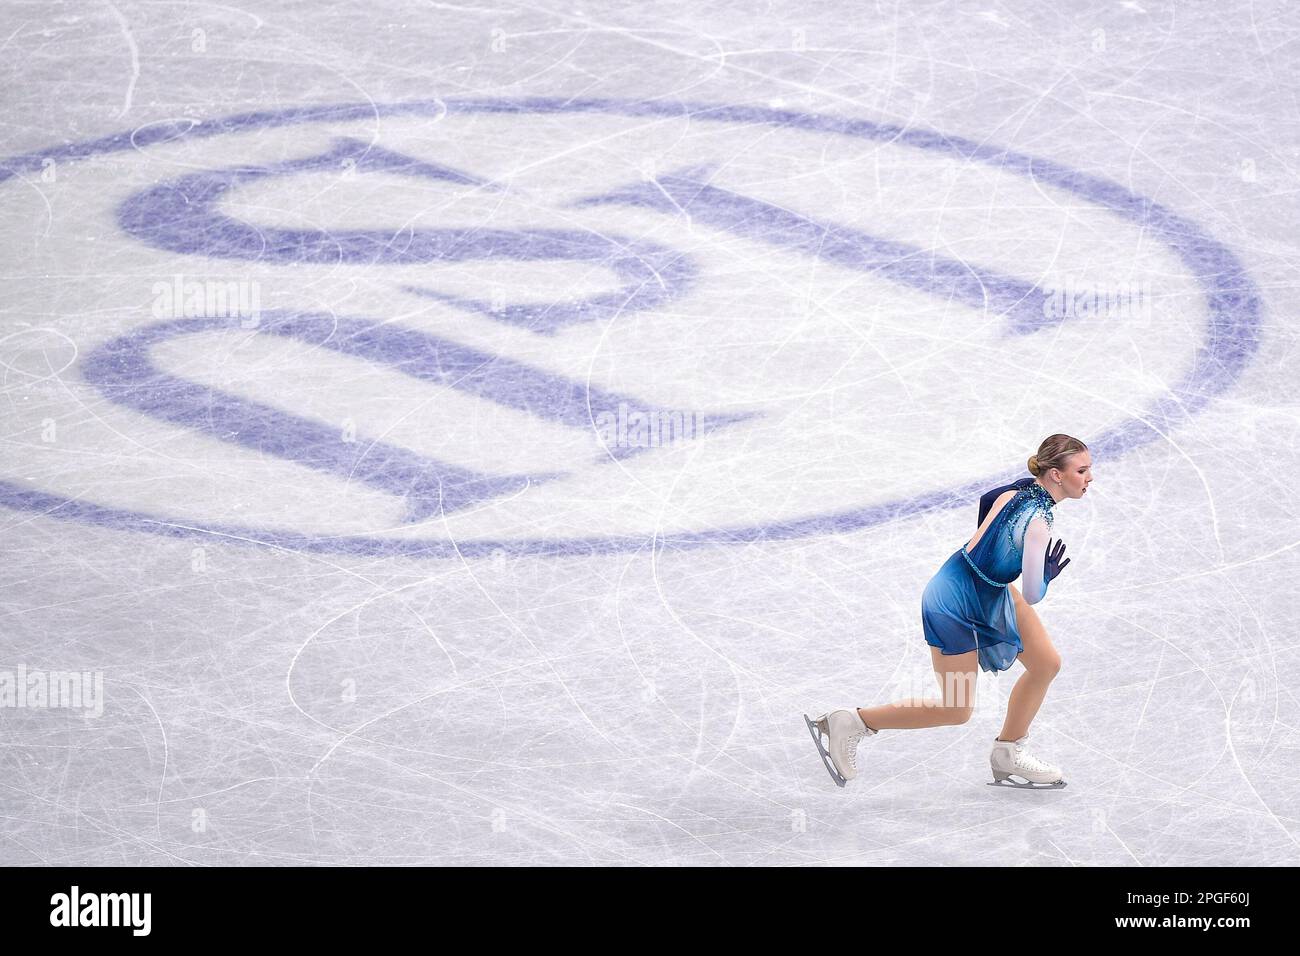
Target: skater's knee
x,y
1046,665
959,715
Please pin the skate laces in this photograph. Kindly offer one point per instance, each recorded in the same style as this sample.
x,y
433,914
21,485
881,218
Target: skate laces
x,y
851,745
1027,761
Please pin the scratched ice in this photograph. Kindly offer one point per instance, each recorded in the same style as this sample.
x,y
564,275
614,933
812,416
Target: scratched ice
x,y
476,434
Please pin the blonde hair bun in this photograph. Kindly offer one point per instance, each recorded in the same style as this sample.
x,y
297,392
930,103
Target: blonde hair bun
x,y
1054,452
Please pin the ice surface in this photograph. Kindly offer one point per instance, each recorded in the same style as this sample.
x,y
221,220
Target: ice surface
x,y
372,550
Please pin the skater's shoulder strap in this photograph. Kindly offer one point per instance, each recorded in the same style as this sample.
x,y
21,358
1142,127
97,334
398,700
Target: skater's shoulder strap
x,y
988,519
987,499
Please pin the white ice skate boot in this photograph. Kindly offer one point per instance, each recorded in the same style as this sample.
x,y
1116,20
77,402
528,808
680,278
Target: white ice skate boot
x,y
843,729
1011,760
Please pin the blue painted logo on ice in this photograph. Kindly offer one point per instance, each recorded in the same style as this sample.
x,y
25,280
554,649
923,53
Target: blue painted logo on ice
x,y
627,323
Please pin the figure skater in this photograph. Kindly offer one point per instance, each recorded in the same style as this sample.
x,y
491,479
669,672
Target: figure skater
x,y
972,613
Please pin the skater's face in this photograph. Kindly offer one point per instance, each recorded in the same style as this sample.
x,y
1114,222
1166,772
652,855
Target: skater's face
x,y
1076,475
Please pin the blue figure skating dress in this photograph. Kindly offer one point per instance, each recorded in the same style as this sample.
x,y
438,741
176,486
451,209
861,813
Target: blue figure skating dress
x,y
967,605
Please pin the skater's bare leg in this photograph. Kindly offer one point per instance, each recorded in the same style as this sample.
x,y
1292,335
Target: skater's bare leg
x,y
956,674
1042,663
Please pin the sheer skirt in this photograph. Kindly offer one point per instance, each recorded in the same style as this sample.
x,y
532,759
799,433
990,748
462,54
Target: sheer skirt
x,y
961,613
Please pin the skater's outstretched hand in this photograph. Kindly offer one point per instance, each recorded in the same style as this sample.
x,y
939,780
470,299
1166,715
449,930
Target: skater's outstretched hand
x,y
1052,563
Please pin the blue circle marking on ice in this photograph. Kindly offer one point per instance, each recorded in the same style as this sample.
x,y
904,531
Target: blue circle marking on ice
x,y
1232,301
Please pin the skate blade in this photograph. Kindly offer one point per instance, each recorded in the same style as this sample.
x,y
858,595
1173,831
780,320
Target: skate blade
x,y
1014,784
826,757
